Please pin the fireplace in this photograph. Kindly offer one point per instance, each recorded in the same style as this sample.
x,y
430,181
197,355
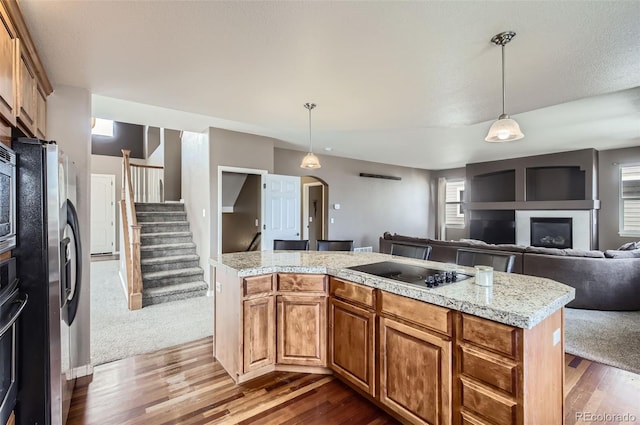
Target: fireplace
x,y
552,232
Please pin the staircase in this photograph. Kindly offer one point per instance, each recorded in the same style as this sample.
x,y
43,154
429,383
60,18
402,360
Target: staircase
x,y
168,260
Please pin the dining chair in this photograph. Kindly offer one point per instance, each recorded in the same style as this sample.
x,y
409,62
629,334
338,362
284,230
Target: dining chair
x,y
500,261
334,245
291,244
420,252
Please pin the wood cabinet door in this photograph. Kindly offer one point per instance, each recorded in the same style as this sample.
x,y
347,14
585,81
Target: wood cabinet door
x,y
302,330
41,114
259,333
26,110
415,373
352,344
7,69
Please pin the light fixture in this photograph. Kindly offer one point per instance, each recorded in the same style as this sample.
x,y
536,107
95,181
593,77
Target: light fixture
x,y
504,129
310,161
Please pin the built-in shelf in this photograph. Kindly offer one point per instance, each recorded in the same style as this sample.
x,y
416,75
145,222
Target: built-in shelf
x,y
586,204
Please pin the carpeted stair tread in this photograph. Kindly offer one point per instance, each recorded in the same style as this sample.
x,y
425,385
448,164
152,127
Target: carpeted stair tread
x,y
172,273
164,291
167,234
170,259
164,223
167,246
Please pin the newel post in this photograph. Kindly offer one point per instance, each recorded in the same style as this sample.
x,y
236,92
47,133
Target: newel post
x,y
126,153
135,298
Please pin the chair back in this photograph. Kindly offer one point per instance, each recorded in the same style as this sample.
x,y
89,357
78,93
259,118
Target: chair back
x,y
334,245
420,252
500,261
291,245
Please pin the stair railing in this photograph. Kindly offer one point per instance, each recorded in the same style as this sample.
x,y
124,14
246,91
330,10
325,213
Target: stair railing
x,y
147,183
131,237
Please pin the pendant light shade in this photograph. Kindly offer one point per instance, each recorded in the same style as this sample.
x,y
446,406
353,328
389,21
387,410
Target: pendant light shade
x,y
504,129
310,161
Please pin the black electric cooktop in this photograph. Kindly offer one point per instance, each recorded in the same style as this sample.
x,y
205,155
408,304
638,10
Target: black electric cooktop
x,y
408,273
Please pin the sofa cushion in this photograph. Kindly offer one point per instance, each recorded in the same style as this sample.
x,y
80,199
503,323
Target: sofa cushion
x,y
629,246
400,238
548,251
584,253
449,243
615,253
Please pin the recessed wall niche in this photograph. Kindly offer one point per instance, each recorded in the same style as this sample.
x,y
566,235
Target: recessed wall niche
x,y
555,184
498,186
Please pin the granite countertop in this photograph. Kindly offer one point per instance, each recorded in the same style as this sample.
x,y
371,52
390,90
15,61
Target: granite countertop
x,y
514,299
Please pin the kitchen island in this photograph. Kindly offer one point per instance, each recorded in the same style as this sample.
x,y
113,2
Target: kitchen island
x,y
456,354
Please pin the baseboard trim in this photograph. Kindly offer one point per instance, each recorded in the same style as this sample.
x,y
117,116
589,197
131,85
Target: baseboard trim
x,y
79,372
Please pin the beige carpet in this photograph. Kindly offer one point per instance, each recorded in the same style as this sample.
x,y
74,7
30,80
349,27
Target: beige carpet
x,y
117,333
609,337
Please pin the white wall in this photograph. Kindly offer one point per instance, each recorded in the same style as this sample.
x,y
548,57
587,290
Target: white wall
x,y
69,123
196,193
369,206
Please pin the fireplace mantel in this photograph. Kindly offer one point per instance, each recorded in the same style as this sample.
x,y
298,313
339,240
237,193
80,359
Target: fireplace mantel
x,y
588,204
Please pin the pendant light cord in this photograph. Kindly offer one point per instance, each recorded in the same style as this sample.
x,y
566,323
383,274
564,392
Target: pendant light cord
x,y
504,90
310,143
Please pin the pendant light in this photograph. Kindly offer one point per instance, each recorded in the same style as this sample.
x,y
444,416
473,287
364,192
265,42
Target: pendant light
x,y
310,161
504,129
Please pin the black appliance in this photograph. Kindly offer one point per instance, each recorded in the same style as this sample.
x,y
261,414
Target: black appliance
x,y
48,256
7,198
408,273
12,303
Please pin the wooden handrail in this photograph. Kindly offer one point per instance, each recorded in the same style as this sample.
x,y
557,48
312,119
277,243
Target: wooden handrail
x,y
131,237
158,167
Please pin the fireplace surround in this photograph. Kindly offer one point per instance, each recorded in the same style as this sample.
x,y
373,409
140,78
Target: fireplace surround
x,y
581,224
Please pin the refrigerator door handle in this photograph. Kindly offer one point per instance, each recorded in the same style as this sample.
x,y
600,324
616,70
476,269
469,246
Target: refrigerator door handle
x,y
72,221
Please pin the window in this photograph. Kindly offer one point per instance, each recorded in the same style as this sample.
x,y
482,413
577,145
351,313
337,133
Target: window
x,y
454,216
101,127
630,200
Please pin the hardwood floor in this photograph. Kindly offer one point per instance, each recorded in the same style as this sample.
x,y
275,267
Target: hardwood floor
x,y
185,385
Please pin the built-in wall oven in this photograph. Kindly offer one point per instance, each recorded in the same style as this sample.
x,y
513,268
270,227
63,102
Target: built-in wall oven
x,y
7,199
12,302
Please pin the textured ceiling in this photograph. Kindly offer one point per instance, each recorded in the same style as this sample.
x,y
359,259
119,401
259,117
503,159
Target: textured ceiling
x,y
407,83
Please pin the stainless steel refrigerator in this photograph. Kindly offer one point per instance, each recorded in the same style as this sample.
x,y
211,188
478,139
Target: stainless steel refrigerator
x,y
49,267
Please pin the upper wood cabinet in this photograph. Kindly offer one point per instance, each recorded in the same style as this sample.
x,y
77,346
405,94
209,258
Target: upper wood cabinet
x,y
41,113
7,69
24,85
27,105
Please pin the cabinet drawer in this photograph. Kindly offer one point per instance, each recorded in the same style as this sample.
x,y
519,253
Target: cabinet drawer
x,y
491,370
418,312
352,292
258,285
488,404
493,336
289,282
466,418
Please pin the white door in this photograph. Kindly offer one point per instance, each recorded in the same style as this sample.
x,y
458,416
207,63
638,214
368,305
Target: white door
x,y
281,200
103,208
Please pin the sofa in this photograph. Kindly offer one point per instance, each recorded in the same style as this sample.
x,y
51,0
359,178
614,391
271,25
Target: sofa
x,y
608,280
